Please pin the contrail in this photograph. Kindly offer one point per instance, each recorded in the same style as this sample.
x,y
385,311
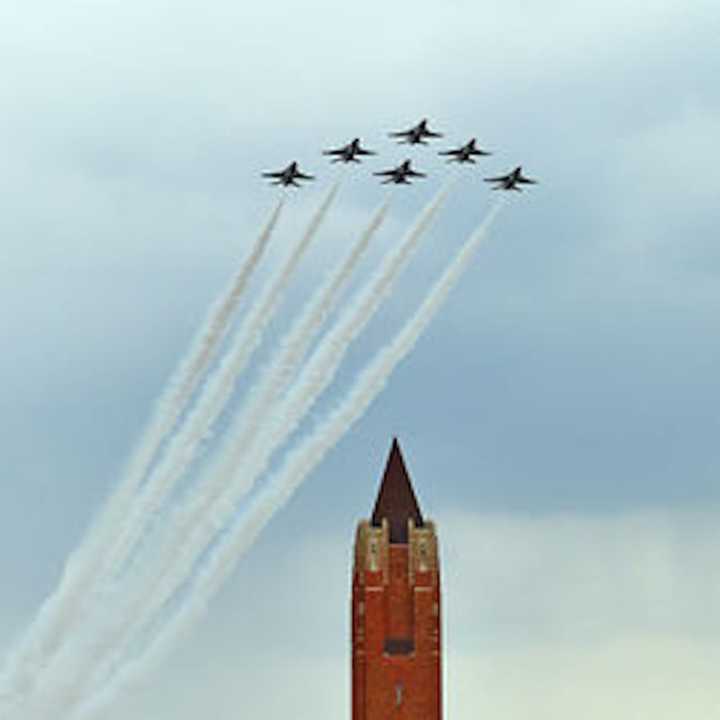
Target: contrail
x,y
45,634
145,601
293,349
193,526
298,463
184,384
184,445
214,396
325,361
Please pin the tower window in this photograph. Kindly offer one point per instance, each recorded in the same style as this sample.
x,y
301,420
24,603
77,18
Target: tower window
x,y
398,694
399,646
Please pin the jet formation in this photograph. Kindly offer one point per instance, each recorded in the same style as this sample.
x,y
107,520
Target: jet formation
x,y
404,173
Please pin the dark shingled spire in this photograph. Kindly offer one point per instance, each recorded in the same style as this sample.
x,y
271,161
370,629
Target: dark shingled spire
x,y
396,500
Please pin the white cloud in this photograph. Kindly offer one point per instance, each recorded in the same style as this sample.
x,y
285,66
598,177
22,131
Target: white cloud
x,y
634,677
575,578
271,65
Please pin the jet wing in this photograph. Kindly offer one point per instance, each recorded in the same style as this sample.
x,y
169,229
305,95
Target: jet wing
x,y
273,174
303,176
499,178
526,181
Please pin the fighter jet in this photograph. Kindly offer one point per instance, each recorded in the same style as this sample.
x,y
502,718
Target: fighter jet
x,y
348,153
416,135
465,153
288,176
400,174
511,180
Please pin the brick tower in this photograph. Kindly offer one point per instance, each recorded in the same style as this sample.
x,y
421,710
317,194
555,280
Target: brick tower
x,y
396,607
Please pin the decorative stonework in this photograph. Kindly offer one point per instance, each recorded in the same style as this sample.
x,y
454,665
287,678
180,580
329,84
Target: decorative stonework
x,y
371,550
423,552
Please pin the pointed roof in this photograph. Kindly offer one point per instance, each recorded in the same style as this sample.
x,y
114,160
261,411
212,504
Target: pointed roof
x,y
396,499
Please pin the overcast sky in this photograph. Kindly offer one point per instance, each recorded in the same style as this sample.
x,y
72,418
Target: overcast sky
x,y
560,417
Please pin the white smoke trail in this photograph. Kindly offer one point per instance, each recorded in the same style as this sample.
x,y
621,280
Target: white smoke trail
x,y
191,532
193,526
214,396
320,369
186,380
272,383
298,463
54,618
70,667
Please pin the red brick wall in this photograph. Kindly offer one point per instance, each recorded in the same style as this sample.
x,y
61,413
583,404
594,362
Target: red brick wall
x,y
387,603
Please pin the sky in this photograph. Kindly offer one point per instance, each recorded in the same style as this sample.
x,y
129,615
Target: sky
x,y
559,418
